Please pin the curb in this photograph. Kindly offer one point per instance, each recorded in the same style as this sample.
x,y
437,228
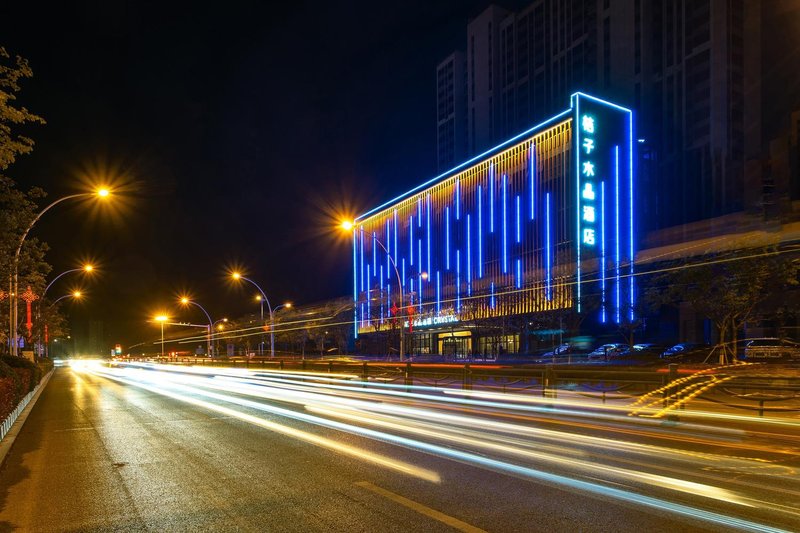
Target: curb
x,y
11,436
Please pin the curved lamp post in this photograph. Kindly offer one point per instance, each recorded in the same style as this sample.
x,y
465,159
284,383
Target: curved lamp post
x,y
13,282
187,301
85,268
348,226
237,276
219,327
74,294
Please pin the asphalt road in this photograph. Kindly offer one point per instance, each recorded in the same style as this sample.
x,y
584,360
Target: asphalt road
x,y
109,451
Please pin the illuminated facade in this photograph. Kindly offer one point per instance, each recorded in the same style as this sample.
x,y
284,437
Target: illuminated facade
x,y
541,223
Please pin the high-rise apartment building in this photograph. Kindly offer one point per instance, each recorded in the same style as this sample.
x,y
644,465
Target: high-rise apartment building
x,y
451,101
691,68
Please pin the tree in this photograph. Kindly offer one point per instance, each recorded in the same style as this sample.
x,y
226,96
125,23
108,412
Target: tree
x,y
17,208
728,287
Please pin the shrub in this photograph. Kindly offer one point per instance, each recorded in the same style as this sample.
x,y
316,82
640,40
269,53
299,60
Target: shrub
x,y
10,390
29,373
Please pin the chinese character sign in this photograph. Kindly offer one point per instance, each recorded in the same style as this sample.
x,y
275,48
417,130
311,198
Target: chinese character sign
x,y
604,197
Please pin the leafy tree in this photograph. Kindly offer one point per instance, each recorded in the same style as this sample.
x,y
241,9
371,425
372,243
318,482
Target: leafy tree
x,y
17,208
728,287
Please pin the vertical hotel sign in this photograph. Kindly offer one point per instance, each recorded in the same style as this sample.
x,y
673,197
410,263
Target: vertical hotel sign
x,y
604,203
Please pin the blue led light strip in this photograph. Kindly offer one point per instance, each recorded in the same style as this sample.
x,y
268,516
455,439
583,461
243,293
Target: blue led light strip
x,y
355,283
458,279
447,237
532,172
388,249
403,261
519,273
428,228
577,132
438,292
616,233
491,198
361,263
411,239
519,231
491,299
505,231
480,234
469,261
395,248
603,251
458,199
548,264
419,283
630,193
374,255
419,257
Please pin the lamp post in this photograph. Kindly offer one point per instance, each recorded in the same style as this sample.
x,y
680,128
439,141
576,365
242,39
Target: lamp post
x,y
237,276
187,301
219,327
85,268
161,319
74,294
13,282
347,226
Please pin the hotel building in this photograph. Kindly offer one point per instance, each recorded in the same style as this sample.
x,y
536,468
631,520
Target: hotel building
x,y
540,224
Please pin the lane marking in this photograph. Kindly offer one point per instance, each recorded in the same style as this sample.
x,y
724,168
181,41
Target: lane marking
x,y
455,523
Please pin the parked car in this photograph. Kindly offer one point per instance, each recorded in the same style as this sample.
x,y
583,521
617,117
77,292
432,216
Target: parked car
x,y
646,349
608,350
771,349
560,350
687,352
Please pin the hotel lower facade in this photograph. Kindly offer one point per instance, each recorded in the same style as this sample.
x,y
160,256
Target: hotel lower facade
x,y
491,256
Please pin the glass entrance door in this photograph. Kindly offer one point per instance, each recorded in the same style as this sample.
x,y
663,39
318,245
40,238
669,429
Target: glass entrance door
x,y
455,345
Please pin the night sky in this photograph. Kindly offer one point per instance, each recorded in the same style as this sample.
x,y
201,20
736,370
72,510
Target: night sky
x,y
235,134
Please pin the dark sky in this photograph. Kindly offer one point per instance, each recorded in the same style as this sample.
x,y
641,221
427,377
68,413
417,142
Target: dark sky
x,y
233,131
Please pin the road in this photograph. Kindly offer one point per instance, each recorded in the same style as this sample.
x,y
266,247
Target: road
x,y
132,448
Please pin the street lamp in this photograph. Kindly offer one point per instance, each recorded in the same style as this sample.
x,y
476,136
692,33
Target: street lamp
x,y
13,282
161,318
85,268
186,301
219,327
74,294
348,226
238,276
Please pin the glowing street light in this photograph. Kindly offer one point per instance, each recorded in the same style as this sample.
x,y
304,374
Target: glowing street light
x,y
220,326
261,299
162,318
74,294
186,301
87,268
102,193
348,225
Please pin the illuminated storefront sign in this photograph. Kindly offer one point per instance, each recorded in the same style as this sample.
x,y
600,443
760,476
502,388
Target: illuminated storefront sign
x,y
432,321
604,220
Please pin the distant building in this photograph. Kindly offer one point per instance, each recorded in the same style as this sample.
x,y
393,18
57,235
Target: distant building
x,y
691,69
451,102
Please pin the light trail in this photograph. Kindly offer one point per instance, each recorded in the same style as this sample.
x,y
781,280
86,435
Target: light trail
x,y
542,439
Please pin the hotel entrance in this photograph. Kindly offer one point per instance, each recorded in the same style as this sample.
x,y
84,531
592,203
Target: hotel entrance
x,y
455,344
